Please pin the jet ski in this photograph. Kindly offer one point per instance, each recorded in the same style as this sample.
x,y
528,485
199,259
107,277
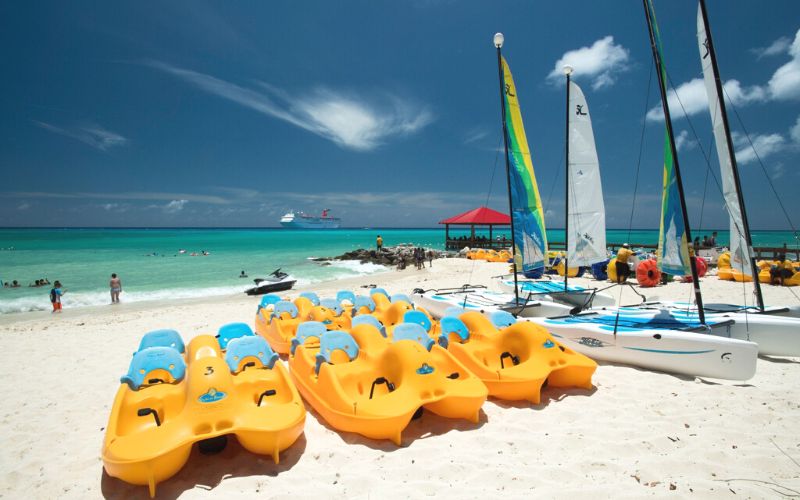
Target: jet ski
x,y
277,281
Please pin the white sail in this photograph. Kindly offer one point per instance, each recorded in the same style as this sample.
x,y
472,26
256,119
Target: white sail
x,y
740,255
587,213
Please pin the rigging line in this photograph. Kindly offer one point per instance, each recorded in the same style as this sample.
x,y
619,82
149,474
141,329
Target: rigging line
x,y
702,207
635,183
488,196
763,168
739,230
709,171
706,156
641,149
555,180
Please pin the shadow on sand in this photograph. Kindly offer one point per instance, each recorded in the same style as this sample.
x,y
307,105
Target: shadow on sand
x,y
426,426
208,471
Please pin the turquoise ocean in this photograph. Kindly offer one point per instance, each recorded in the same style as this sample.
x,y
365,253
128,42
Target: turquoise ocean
x,y
151,268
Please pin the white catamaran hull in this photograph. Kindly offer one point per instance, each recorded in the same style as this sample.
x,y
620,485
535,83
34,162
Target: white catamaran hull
x,y
776,334
668,350
539,287
486,301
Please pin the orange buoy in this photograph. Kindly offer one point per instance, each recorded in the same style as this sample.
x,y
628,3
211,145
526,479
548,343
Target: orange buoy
x,y
701,265
647,273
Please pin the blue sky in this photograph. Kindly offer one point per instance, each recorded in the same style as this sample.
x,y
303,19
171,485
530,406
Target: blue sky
x,y
230,113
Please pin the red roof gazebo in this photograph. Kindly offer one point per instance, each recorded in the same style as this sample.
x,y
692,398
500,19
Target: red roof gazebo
x,y
481,216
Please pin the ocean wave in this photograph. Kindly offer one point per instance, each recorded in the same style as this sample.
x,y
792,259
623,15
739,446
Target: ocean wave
x,y
72,300
357,267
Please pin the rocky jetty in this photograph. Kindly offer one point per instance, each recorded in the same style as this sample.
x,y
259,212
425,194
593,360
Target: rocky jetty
x,y
387,256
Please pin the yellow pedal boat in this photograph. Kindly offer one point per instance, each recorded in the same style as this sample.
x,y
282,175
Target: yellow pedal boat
x,y
365,383
514,360
170,399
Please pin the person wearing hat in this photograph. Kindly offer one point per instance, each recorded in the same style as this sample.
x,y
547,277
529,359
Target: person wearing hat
x,y
623,270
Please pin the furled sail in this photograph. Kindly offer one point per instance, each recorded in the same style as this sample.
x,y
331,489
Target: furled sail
x,y
740,256
587,213
672,254
530,239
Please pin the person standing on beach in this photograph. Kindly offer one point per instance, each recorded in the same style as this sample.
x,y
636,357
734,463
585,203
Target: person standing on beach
x,y
55,296
379,242
116,287
430,258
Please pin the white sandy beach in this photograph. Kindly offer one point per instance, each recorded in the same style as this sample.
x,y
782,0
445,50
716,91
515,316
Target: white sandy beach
x,y
638,433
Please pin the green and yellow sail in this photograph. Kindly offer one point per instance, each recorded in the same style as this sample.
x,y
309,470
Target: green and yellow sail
x,y
530,239
672,255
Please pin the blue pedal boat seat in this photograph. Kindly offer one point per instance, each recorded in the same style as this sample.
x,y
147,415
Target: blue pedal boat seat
x,y
231,331
242,348
307,330
150,359
414,332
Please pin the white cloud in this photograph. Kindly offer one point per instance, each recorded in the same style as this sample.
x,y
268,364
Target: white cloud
x,y
778,170
794,132
779,46
762,144
349,121
600,62
785,83
692,98
23,206
683,142
175,206
93,135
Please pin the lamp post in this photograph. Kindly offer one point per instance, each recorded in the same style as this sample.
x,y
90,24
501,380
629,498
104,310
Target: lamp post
x,y
498,43
567,73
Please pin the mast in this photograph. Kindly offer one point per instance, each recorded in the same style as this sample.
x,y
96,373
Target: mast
x,y
567,72
729,143
498,43
648,9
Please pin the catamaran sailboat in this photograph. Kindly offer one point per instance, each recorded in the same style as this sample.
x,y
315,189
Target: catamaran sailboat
x,y
662,338
775,329
527,222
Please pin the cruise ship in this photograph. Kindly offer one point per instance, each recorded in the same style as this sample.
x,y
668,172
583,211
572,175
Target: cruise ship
x,y
300,220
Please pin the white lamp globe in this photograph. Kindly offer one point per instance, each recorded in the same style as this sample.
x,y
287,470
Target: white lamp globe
x,y
498,40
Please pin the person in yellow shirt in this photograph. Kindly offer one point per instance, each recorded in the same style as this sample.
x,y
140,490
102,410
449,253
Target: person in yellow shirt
x,y
379,242
782,270
623,270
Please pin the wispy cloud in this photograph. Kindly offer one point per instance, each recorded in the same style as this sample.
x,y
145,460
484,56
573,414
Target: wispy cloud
x,y
475,135
785,82
779,46
601,62
683,142
132,196
349,121
23,206
175,206
691,98
93,135
759,146
794,132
